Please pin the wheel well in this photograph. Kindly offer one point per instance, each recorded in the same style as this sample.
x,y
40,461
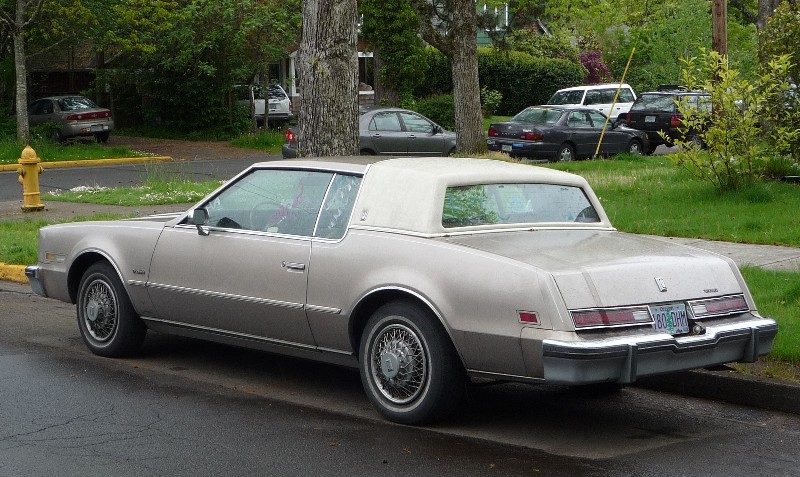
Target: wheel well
x,y
364,310
78,268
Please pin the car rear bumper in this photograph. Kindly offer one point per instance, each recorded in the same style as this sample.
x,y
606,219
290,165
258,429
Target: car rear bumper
x,y
86,128
623,360
522,148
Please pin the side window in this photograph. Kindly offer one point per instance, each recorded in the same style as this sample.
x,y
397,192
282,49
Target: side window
x,y
598,120
42,107
271,200
385,122
416,123
625,96
594,97
578,119
338,206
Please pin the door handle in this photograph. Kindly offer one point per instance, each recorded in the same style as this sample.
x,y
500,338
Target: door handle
x,y
293,265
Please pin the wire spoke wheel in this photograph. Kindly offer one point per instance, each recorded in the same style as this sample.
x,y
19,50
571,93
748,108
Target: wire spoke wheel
x,y
398,364
100,310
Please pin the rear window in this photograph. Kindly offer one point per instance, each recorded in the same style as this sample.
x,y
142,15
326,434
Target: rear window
x,y
536,115
488,204
76,104
655,102
566,97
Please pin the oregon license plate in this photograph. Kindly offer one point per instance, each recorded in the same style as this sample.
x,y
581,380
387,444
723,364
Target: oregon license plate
x,y
649,119
506,147
671,318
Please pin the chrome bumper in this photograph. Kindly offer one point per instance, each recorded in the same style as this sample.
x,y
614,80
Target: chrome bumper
x,y
32,272
623,360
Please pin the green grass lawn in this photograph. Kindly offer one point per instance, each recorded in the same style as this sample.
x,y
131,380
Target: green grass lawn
x,y
48,151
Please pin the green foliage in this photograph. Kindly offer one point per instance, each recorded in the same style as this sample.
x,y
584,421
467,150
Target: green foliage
x,y
543,46
490,101
512,74
440,109
729,133
391,26
782,37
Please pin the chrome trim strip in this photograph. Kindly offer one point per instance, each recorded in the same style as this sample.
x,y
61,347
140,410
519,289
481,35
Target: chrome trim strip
x,y
474,373
229,296
476,232
323,309
137,283
232,334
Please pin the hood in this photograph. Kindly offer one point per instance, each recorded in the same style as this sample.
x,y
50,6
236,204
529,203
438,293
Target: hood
x,y
596,268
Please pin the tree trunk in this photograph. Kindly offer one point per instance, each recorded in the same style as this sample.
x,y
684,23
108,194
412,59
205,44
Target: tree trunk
x,y
23,130
383,94
328,64
466,89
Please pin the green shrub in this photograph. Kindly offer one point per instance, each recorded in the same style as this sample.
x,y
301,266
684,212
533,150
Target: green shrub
x,y
490,101
440,109
521,79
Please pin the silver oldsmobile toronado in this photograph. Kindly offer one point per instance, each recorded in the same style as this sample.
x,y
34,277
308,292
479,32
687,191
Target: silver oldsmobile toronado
x,y
421,272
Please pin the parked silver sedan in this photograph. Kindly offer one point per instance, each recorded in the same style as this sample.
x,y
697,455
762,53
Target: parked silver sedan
x,y
421,272
391,132
75,116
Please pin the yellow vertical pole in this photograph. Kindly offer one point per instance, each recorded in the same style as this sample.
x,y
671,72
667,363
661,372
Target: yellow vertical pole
x,y
616,96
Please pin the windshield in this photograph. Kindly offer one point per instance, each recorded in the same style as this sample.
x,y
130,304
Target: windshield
x,y
566,97
538,115
486,204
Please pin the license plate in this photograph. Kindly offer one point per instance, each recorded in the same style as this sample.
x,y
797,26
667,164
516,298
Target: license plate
x,y
98,128
649,119
506,147
671,319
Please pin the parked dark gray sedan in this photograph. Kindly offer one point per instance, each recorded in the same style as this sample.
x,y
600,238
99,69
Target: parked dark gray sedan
x,y
392,132
75,116
562,133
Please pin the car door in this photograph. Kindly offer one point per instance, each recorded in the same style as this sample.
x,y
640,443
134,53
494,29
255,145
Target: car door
x,y
614,141
582,133
422,136
248,275
40,112
385,135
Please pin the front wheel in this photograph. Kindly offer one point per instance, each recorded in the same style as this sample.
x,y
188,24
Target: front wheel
x,y
409,368
106,318
635,147
565,153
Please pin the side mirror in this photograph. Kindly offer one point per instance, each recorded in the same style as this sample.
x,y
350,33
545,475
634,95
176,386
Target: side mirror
x,y
437,129
199,217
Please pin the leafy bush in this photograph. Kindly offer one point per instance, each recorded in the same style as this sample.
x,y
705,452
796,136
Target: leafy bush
x,y
490,101
521,79
440,108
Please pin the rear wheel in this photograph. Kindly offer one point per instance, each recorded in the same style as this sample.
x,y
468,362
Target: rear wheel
x,y
102,137
106,318
565,153
651,149
409,368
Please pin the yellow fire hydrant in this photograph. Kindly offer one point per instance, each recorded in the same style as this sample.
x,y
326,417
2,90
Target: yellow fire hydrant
x,y
28,171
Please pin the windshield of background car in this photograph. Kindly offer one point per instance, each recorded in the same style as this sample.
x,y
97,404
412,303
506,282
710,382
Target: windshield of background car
x,y
566,97
541,116
488,204
76,104
655,102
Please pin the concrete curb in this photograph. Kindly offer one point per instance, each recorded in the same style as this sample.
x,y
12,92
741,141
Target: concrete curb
x,y
92,162
729,386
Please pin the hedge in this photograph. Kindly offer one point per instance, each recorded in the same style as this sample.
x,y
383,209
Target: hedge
x,y
522,79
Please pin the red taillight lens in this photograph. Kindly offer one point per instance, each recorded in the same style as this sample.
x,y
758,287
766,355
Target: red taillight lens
x,y
628,120
531,136
492,132
289,135
611,317
83,116
676,121
719,306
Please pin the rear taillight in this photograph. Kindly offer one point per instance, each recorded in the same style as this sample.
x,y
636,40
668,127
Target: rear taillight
x,y
628,120
532,136
719,306
528,317
492,131
290,135
676,121
84,116
611,317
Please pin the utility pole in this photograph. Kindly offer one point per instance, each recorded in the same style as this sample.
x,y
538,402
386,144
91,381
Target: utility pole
x,y
719,27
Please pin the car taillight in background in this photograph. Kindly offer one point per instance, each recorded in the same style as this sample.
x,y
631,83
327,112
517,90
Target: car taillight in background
x,y
676,121
492,131
532,136
84,116
290,137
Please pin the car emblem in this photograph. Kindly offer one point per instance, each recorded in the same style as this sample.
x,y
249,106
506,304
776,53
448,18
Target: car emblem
x,y
662,285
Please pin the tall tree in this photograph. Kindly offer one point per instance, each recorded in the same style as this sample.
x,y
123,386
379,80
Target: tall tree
x,y
451,26
17,19
328,67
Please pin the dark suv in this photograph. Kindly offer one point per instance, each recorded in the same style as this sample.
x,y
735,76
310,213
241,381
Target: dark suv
x,y
657,111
